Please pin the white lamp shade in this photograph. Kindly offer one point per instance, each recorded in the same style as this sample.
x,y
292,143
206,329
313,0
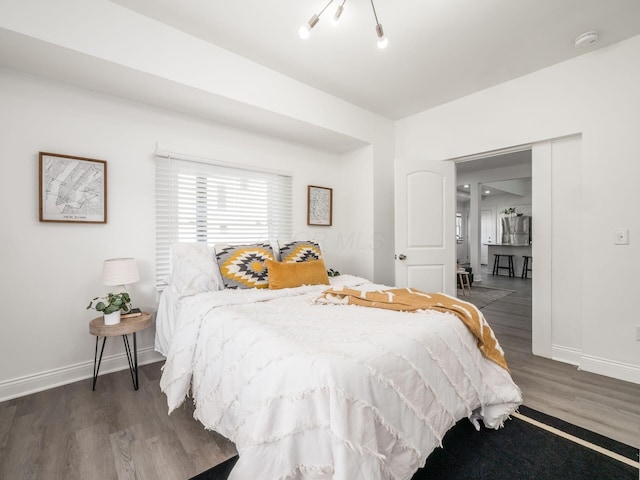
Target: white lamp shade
x,y
119,271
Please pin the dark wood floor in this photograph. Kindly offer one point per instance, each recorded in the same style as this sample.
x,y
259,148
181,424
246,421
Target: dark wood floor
x,y
115,432
73,433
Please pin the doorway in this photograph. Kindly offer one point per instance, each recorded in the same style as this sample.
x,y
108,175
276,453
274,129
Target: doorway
x,y
486,187
556,213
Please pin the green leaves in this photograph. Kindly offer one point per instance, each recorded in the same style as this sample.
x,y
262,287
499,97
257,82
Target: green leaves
x,y
332,273
111,303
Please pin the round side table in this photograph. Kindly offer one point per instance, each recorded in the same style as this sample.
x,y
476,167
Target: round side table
x,y
130,325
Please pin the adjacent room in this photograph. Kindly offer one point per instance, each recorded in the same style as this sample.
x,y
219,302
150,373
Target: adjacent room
x,y
241,230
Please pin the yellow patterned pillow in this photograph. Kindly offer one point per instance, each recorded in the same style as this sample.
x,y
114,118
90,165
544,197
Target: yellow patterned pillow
x,y
299,251
243,266
289,275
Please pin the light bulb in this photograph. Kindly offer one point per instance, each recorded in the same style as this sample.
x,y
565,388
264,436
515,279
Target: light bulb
x,y
336,17
304,31
382,40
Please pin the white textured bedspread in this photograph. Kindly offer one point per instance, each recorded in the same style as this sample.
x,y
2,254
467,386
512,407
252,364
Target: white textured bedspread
x,y
328,391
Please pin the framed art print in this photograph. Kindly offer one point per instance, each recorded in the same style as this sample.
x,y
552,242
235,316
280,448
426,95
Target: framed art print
x,y
72,189
319,206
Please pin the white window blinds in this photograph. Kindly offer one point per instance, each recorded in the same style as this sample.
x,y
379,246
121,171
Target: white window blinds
x,y
209,203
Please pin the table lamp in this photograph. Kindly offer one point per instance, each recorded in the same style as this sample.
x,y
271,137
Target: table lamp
x,y
120,272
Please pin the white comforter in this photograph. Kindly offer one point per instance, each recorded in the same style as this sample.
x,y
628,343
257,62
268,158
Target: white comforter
x,y
319,391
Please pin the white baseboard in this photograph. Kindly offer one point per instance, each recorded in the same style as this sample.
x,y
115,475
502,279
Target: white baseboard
x,y
610,368
568,355
19,387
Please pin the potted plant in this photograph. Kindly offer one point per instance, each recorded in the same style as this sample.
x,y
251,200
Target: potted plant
x,y
509,211
111,306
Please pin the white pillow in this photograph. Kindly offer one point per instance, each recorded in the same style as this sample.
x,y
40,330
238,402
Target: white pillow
x,y
194,269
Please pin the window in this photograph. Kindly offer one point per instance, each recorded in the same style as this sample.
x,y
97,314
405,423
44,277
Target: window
x,y
212,203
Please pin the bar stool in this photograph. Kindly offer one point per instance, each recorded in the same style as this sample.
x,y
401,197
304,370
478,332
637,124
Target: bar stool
x,y
497,267
525,266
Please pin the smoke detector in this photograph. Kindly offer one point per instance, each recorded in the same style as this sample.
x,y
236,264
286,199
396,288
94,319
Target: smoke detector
x,y
585,39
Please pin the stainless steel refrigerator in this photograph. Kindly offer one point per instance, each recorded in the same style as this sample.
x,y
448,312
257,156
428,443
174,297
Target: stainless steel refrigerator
x,y
516,230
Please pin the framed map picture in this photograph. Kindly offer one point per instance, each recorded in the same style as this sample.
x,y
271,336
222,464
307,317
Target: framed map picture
x,y
72,189
319,206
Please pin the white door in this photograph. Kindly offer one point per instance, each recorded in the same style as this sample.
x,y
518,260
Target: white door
x,y
425,211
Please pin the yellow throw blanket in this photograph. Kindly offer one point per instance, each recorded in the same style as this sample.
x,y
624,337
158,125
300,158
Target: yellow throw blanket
x,y
410,300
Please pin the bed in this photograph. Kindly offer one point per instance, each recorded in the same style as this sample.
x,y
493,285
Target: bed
x,y
313,390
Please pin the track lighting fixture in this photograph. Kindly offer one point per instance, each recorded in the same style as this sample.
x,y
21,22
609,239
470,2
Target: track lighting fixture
x,y
305,29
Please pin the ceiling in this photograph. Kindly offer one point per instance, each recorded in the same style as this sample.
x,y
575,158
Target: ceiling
x,y
439,50
494,161
517,186
490,188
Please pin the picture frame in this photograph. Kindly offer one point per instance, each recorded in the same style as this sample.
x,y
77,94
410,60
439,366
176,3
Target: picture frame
x,y
72,189
319,206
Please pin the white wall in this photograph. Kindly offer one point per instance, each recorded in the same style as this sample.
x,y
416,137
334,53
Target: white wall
x,y
357,240
595,95
103,47
383,208
500,202
103,30
109,48
567,255
51,271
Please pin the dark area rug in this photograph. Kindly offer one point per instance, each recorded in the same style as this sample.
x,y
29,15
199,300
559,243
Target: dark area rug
x,y
483,296
519,451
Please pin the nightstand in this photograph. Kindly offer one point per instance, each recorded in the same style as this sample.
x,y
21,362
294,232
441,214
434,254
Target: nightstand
x,y
127,326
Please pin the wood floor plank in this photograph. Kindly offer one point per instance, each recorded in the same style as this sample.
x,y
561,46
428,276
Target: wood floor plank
x,y
122,446
7,414
95,455
167,454
58,451
142,454
17,459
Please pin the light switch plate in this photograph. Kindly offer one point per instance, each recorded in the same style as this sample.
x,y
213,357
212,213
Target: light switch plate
x,y
638,332
621,237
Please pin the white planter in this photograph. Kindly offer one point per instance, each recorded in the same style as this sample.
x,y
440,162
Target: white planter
x,y
112,318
